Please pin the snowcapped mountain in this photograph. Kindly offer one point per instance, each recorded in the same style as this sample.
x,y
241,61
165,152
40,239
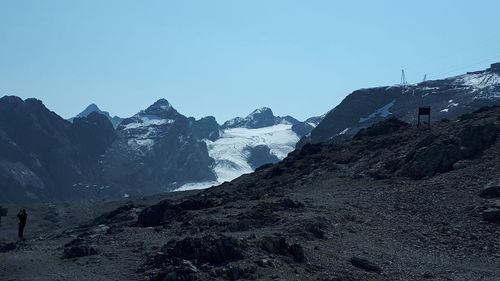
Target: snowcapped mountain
x,y
314,121
160,149
259,118
157,150
115,120
448,98
247,143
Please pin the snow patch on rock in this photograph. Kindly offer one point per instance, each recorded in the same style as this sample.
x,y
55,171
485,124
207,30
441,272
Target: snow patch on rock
x,y
479,80
382,112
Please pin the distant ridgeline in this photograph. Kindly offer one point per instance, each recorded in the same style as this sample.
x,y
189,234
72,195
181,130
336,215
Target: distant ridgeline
x,y
45,158
448,98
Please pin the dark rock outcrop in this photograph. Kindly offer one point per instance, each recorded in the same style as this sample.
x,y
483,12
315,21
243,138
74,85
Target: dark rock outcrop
x,y
260,155
302,128
442,153
279,245
206,128
161,213
215,249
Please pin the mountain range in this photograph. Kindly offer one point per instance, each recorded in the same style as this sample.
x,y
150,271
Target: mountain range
x,y
93,155
158,149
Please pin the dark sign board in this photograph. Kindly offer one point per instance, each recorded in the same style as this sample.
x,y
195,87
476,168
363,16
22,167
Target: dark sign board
x,y
424,110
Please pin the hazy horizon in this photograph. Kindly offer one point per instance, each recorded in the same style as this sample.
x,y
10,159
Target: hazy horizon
x,y
227,58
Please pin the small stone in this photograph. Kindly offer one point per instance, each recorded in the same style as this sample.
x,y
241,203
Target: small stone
x,y
265,263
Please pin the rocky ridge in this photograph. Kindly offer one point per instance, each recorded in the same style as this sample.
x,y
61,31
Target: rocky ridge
x,y
448,98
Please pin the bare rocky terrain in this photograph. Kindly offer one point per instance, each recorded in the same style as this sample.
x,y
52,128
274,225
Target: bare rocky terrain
x,y
396,202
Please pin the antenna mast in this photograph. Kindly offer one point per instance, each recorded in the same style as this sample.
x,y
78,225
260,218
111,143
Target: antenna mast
x,y
403,78
403,83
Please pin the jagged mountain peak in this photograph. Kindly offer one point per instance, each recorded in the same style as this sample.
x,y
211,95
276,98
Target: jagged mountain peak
x,y
162,103
115,120
160,108
259,118
92,108
11,99
262,110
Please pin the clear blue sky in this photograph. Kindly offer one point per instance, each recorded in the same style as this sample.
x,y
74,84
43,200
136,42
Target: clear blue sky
x,y
226,58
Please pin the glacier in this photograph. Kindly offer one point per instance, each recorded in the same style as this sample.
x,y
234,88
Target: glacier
x,y
230,151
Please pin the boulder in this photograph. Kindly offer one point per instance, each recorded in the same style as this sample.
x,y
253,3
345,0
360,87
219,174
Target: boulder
x,y
492,215
211,248
7,247
491,192
297,252
79,251
158,214
365,264
279,245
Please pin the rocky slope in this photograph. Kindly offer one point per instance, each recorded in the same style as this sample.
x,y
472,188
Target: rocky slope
x,y
393,203
448,98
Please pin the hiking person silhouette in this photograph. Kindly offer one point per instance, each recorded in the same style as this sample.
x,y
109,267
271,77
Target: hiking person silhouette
x,y
22,216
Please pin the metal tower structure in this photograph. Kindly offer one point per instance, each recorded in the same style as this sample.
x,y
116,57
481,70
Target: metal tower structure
x,y
403,83
403,78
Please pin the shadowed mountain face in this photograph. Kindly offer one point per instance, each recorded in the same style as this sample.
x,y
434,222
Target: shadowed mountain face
x,y
157,150
43,155
448,98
